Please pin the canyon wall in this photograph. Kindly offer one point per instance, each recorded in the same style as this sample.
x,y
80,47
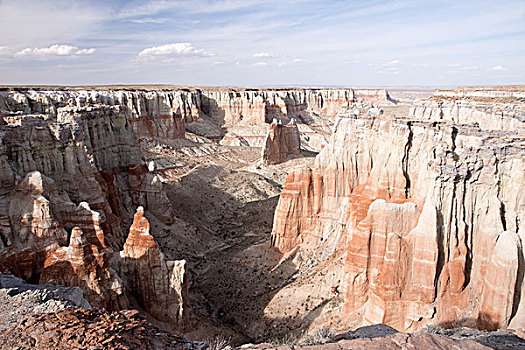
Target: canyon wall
x,y
234,116
71,180
428,214
488,115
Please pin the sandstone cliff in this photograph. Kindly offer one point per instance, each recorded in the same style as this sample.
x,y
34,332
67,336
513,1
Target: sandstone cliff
x,y
88,155
282,141
424,211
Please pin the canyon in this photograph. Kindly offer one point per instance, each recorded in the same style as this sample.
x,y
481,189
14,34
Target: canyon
x,y
264,214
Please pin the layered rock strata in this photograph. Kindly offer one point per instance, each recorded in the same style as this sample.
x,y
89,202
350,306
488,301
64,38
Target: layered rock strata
x,y
282,142
69,185
488,115
36,250
424,211
161,285
164,114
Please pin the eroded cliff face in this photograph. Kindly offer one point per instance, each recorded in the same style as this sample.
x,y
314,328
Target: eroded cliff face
x,y
236,116
282,142
422,212
70,182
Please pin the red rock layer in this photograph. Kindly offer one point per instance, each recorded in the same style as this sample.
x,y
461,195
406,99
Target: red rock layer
x,y
37,250
420,216
161,285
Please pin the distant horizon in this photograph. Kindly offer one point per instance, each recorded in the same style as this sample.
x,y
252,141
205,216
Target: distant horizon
x,y
182,86
377,43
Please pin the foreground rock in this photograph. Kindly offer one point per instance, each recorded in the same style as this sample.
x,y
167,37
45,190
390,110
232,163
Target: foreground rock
x,y
91,329
393,342
19,300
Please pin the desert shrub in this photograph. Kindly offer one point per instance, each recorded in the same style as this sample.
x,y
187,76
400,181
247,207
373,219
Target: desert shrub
x,y
320,336
218,343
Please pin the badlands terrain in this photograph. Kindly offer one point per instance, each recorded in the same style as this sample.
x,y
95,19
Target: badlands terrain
x,y
191,217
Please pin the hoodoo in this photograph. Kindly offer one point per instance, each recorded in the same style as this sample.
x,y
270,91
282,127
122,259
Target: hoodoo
x,y
282,142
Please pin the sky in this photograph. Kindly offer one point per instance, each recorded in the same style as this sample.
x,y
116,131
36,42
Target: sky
x,y
263,43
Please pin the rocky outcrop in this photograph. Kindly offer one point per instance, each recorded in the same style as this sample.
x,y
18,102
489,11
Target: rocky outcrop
x,y
282,142
424,211
92,329
379,96
18,300
395,342
161,285
85,265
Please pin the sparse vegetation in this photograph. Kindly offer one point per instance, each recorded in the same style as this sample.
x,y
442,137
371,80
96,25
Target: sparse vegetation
x,y
218,343
320,336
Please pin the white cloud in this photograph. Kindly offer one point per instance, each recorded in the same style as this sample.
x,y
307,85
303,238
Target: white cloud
x,y
391,63
218,63
299,60
149,20
54,50
177,49
469,68
259,64
263,55
453,65
498,67
282,64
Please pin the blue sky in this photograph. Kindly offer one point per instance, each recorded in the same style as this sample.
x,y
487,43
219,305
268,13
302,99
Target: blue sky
x,y
261,43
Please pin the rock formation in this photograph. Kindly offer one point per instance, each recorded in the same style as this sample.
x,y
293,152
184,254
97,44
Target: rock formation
x,y
164,114
37,252
425,210
488,115
161,285
282,141
88,155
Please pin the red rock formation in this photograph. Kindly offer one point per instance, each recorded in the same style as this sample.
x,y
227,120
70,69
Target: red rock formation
x,y
161,285
84,265
282,142
420,215
37,251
